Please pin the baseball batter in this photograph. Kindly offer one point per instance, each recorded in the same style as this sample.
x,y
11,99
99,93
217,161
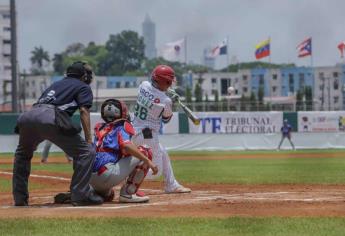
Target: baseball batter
x,y
153,107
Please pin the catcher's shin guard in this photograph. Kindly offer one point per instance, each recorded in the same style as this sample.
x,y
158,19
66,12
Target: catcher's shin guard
x,y
137,176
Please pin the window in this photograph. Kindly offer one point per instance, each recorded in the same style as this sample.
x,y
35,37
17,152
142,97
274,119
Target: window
x,y
7,67
6,41
126,84
33,83
7,55
275,76
213,80
336,84
6,16
274,89
261,80
291,83
245,89
6,29
33,95
321,87
224,84
321,75
118,85
301,81
335,74
335,99
245,77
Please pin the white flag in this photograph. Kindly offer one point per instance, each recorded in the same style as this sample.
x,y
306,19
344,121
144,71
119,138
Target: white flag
x,y
172,51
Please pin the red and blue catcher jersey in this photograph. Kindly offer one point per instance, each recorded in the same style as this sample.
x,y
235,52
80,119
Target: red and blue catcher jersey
x,y
109,140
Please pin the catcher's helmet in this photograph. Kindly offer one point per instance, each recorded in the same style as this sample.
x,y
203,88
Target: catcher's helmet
x,y
113,109
163,74
80,70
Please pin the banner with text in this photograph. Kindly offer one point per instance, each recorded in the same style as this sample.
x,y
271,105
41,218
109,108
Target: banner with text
x,y
170,128
321,121
238,122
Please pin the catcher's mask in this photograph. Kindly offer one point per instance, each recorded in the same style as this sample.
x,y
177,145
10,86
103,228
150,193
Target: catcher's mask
x,y
113,109
80,70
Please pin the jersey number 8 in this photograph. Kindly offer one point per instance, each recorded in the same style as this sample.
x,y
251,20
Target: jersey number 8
x,y
140,112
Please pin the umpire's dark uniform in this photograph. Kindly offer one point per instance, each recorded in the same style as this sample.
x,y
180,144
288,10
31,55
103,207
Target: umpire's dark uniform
x,y
39,124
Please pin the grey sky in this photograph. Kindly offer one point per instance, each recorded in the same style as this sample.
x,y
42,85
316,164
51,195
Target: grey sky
x,y
54,24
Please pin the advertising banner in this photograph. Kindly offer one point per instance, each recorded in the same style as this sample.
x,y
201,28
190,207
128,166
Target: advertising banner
x,y
238,122
321,121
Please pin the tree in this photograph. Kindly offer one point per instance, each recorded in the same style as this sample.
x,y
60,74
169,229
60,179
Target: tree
x,y
309,98
244,101
38,58
58,64
216,95
198,93
125,53
299,100
252,99
75,49
261,98
188,95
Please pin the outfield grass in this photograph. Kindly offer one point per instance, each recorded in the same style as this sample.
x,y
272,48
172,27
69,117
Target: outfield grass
x,y
6,187
175,226
245,171
262,171
251,152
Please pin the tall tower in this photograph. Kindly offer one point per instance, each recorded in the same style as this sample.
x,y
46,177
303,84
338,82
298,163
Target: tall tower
x,y
149,34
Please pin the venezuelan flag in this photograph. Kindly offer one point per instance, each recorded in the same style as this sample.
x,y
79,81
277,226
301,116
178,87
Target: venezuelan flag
x,y
262,49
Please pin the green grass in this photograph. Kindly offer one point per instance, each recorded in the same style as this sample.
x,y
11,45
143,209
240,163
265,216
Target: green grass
x,y
245,171
59,168
175,226
262,171
246,152
6,186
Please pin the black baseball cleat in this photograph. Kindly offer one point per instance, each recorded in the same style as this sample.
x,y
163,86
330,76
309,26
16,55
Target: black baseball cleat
x,y
93,199
63,198
21,204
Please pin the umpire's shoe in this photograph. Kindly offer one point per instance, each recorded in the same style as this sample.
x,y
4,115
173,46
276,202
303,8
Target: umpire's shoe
x,y
93,199
63,198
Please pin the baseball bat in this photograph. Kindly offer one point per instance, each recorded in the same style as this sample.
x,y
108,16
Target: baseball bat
x,y
186,110
189,113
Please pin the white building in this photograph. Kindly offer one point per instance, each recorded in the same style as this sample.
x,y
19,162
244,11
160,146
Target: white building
x,y
5,53
279,85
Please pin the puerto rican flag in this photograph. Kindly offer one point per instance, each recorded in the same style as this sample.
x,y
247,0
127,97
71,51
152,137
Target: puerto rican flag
x,y
341,47
304,48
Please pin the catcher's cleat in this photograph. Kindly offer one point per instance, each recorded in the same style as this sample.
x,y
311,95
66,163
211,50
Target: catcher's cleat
x,y
110,197
63,198
134,198
93,199
140,193
179,189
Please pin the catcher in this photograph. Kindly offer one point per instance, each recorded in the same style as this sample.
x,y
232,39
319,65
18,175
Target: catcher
x,y
117,159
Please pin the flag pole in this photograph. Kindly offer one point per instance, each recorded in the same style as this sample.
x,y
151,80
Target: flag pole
x,y
269,40
227,52
311,56
185,49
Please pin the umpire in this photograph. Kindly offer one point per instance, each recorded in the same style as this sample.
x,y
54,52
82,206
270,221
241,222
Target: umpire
x,y
49,119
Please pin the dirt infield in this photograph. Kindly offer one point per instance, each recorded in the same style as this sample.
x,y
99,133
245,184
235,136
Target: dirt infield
x,y
221,200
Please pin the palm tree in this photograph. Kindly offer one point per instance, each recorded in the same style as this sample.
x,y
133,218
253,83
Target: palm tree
x,y
39,56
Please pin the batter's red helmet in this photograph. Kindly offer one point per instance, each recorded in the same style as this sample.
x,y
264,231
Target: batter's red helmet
x,y
163,74
113,109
